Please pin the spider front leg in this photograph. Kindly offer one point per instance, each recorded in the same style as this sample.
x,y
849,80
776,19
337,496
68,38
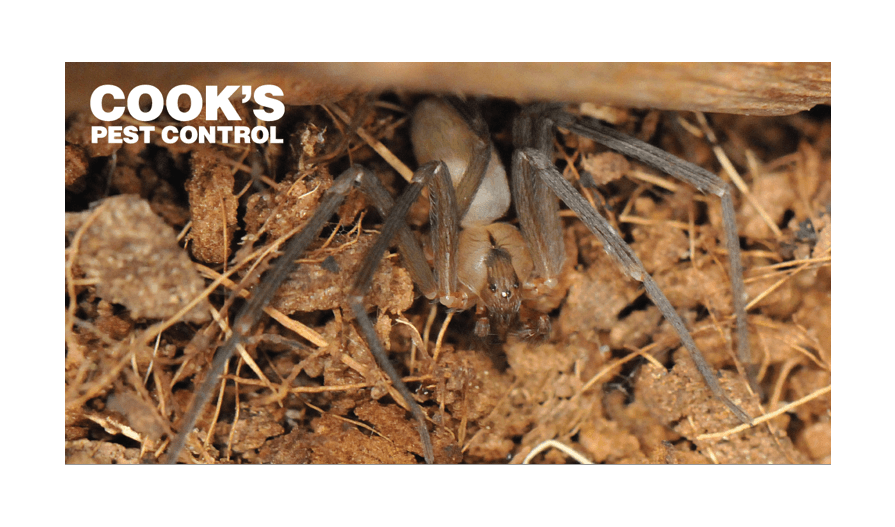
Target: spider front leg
x,y
537,208
394,223
528,160
694,175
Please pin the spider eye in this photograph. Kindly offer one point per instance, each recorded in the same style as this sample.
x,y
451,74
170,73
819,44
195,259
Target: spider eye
x,y
492,287
516,285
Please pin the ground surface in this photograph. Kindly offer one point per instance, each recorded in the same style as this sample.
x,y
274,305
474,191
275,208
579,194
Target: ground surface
x,y
610,382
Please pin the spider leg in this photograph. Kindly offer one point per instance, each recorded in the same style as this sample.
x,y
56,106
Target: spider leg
x,y
444,219
447,207
689,173
393,224
251,312
616,247
536,205
408,246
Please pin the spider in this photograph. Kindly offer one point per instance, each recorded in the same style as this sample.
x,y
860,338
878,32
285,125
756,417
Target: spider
x,y
512,277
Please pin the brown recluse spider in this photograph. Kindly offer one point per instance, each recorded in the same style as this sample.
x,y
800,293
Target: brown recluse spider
x,y
510,276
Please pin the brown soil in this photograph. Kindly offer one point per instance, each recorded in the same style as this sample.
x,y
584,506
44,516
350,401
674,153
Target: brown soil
x,y
611,381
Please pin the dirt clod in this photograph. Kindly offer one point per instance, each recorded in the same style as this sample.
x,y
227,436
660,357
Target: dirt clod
x,y
212,208
133,257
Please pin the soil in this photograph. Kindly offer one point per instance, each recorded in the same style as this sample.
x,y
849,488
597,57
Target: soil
x,y
149,228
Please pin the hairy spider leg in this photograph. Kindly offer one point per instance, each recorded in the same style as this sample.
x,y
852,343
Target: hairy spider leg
x,y
394,222
689,173
528,159
444,215
537,207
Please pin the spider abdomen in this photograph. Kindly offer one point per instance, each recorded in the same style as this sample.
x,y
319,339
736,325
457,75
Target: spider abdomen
x,y
440,133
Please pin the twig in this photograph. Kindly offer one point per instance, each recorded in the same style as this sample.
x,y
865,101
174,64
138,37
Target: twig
x,y
562,447
813,395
